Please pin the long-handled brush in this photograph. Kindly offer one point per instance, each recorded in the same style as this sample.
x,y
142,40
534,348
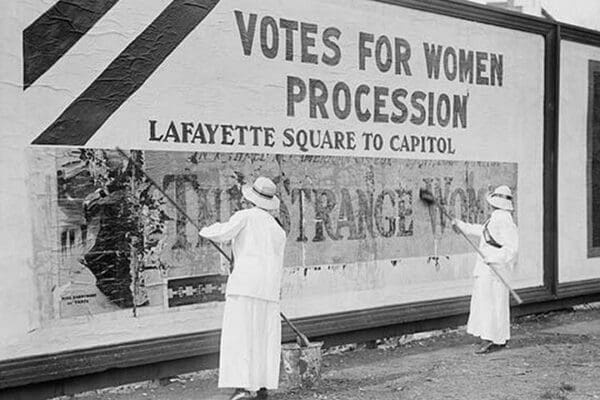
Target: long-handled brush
x,y
302,337
428,198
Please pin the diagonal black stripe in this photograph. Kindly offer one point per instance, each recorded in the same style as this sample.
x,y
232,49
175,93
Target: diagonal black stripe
x,y
50,36
126,74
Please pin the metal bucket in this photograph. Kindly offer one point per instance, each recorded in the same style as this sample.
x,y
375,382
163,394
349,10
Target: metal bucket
x,y
300,366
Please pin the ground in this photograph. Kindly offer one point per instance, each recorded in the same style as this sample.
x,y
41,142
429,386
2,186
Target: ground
x,y
554,356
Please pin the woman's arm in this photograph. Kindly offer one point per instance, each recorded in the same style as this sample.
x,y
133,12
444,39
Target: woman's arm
x,y
469,229
224,231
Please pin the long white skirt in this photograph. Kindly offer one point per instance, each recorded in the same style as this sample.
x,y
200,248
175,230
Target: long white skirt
x,y
250,344
489,316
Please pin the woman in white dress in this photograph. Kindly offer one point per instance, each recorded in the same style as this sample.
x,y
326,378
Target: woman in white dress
x,y
489,316
251,333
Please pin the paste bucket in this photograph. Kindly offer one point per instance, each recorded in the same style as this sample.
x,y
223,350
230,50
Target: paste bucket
x,y
300,366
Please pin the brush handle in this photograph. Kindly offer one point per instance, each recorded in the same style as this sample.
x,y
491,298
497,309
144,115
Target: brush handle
x,y
494,270
302,337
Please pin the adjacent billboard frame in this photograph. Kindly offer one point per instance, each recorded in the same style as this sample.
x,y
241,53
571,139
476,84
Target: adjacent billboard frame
x,y
69,372
589,37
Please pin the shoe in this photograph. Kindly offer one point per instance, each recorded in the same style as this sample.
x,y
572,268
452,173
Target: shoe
x,y
261,394
241,394
490,347
485,348
496,347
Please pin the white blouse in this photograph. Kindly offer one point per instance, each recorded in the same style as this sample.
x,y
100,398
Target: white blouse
x,y
258,244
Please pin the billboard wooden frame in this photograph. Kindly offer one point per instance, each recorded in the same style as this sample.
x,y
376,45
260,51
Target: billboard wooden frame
x,y
588,37
73,371
592,251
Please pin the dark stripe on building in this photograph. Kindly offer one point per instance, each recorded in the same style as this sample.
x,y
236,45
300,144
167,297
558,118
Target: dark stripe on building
x,y
126,74
47,39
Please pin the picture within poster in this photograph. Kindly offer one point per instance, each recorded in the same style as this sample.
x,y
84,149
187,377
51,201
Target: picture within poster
x,y
121,242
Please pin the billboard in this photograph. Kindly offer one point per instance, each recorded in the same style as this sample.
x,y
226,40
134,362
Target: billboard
x,y
350,107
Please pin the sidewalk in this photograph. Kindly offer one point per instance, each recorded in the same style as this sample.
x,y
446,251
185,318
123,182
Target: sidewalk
x,y
554,356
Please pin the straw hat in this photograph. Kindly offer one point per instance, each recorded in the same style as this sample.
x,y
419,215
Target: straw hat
x,y
501,198
262,193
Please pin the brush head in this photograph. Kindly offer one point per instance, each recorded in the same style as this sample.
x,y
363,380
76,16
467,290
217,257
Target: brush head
x,y
426,196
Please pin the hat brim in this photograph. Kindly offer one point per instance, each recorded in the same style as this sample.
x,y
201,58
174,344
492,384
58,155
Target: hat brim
x,y
258,200
503,204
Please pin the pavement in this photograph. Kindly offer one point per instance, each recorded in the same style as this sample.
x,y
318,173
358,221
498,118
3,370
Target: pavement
x,y
553,356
